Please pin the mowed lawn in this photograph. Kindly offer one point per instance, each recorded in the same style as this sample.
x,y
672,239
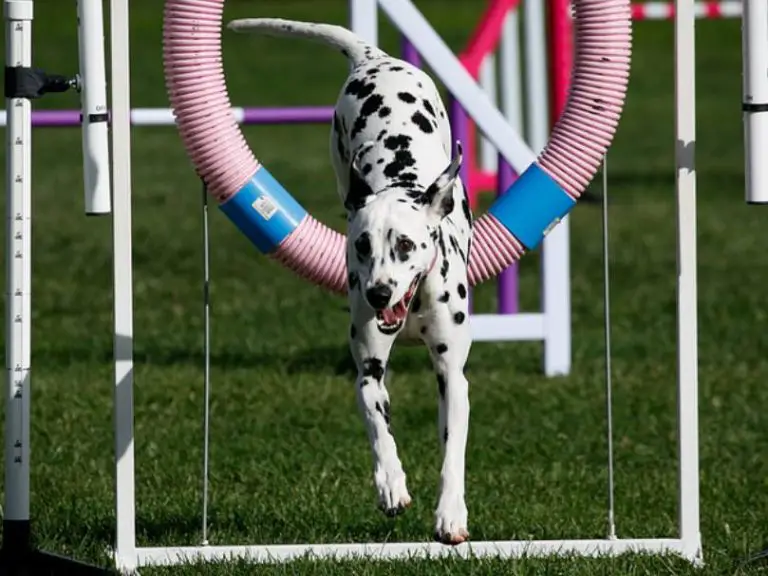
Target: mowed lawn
x,y
290,461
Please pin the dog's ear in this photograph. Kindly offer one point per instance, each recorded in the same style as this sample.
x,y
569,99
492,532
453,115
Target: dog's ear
x,y
439,195
359,191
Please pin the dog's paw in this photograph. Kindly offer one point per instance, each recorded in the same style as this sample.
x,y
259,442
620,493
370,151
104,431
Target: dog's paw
x,y
393,494
451,521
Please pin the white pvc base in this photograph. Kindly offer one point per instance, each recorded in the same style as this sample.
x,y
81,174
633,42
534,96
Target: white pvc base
x,y
272,554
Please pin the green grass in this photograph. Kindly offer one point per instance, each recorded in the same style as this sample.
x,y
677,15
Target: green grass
x,y
289,457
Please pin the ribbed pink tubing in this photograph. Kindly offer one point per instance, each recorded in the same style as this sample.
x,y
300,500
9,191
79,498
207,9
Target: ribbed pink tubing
x,y
198,94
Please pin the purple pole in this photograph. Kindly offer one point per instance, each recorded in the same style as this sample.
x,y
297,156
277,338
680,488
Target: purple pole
x,y
153,117
409,52
507,288
460,128
293,115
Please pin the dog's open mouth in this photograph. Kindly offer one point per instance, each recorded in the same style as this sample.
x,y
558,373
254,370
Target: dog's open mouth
x,y
391,319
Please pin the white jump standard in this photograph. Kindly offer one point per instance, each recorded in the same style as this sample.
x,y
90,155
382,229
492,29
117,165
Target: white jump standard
x,y
22,84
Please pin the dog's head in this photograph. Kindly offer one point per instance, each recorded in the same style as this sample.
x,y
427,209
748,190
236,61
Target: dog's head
x,y
392,238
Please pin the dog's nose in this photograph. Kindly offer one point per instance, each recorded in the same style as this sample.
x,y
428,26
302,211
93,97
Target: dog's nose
x,y
378,296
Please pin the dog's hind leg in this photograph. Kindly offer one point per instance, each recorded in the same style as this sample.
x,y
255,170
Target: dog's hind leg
x,y
370,350
449,340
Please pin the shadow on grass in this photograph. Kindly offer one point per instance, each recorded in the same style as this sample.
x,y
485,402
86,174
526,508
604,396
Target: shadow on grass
x,y
332,359
264,528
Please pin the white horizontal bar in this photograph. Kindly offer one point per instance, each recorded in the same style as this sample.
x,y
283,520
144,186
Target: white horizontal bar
x,y
170,556
507,327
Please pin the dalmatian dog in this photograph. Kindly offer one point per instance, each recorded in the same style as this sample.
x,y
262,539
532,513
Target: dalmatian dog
x,y
408,244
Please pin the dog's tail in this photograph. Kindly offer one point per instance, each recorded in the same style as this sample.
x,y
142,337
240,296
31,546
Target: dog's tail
x,y
348,43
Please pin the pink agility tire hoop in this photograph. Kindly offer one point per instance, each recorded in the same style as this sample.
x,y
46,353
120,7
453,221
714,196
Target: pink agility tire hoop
x,y
277,224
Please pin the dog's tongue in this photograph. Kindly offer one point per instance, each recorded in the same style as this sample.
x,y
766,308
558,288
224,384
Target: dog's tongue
x,y
395,314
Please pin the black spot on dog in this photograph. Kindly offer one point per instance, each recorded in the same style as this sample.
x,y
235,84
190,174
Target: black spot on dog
x,y
359,191
423,245
445,434
363,246
367,169
392,254
407,179
397,142
359,125
416,305
423,329
459,317
441,385
403,159
383,411
339,139
454,243
462,290
371,105
396,68
466,210
444,269
428,107
441,242
381,135
352,331
421,121
360,88
353,280
380,161
406,97
444,297
372,71
373,367
441,348
384,111
420,198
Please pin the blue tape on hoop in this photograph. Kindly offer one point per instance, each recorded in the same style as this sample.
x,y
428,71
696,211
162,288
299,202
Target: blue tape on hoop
x,y
532,206
264,211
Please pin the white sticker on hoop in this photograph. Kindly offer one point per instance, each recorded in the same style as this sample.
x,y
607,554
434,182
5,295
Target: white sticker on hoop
x,y
265,207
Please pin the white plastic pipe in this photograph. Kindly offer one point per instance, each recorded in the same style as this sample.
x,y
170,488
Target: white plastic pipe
x,y
488,155
18,271
94,107
122,249
754,45
687,282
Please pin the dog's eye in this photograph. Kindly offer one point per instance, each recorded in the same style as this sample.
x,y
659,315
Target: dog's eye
x,y
404,245
363,245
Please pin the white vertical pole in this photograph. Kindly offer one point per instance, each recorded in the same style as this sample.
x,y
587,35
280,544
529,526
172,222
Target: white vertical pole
x,y
536,97
90,31
687,330
125,511
363,19
510,73
489,157
555,249
754,34
18,271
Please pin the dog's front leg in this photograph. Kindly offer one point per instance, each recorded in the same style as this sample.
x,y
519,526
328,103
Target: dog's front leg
x,y
370,350
449,345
